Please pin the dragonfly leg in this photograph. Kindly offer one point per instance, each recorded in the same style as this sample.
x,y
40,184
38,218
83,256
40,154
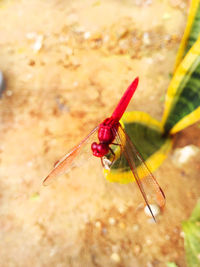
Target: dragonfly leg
x,y
109,163
117,145
114,156
114,152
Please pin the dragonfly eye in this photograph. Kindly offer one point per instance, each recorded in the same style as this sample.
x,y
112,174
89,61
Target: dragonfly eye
x,y
94,147
99,150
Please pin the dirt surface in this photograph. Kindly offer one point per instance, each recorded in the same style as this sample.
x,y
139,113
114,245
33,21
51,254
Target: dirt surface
x,y
66,64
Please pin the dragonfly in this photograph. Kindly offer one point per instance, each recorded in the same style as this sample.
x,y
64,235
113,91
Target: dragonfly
x,y
111,133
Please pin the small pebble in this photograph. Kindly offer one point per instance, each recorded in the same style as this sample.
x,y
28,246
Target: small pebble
x,y
182,5
182,155
106,38
143,2
79,29
63,38
38,43
149,60
38,38
148,2
86,219
31,35
52,252
182,234
111,221
152,97
148,241
69,51
135,227
98,224
115,248
104,231
28,77
155,210
9,92
75,62
115,257
75,84
61,105
160,57
176,230
29,163
167,237
87,35
72,18
167,37
137,249
138,2
146,39
121,208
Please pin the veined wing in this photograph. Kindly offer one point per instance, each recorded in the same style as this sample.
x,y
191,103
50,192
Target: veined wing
x,y
73,158
149,187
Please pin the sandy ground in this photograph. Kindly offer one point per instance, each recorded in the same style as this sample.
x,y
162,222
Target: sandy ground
x,y
66,64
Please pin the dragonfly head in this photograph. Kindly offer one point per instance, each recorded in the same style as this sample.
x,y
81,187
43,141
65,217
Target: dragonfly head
x,y
99,150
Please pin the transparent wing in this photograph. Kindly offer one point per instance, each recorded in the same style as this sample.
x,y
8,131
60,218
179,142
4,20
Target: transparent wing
x,y
149,187
75,157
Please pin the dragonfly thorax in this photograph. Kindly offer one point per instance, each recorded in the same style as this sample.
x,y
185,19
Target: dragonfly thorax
x,y
106,135
107,130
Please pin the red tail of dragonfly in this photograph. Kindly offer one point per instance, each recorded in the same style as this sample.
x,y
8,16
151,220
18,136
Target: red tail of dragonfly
x,y
110,132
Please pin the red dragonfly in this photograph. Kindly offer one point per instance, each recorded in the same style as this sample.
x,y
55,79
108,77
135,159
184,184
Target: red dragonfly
x,y
110,132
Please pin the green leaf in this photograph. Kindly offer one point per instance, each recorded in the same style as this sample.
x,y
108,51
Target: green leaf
x,y
196,213
146,139
188,97
147,136
191,229
191,32
195,30
182,106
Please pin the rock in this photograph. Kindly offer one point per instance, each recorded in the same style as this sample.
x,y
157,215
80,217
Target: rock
x,y
98,224
111,221
183,155
137,249
135,227
87,35
155,209
146,38
38,43
115,257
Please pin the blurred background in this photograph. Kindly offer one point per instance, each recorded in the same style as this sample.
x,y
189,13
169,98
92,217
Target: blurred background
x,y
65,66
